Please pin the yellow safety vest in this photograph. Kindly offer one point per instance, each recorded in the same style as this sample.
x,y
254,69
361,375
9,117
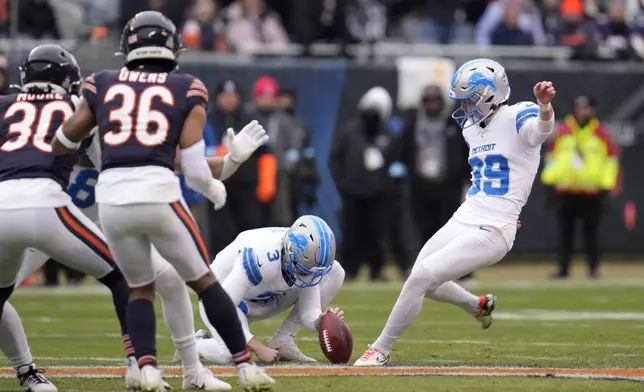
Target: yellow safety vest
x,y
579,161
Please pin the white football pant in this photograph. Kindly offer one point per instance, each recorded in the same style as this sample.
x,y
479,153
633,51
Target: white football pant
x,y
170,228
454,251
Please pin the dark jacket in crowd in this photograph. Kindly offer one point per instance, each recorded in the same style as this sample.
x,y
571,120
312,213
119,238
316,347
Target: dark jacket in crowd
x,y
456,167
347,161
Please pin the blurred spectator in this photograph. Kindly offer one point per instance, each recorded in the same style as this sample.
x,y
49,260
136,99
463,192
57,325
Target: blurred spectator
x,y
581,166
36,19
366,20
359,163
51,274
435,155
4,75
287,140
175,10
305,177
101,13
250,24
204,31
431,21
576,30
529,20
619,40
397,211
552,20
4,18
254,179
318,20
508,32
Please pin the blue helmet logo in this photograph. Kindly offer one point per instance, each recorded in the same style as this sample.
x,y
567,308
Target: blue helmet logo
x,y
477,79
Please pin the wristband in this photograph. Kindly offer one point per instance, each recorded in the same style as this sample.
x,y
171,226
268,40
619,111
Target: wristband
x,y
544,107
65,141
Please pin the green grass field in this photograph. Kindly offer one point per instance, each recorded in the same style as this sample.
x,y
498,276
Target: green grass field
x,y
552,326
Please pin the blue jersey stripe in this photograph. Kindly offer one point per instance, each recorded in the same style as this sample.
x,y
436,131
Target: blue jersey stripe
x,y
524,115
250,267
243,307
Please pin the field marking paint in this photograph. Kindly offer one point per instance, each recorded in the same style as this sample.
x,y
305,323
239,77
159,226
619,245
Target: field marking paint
x,y
555,315
404,341
360,287
329,370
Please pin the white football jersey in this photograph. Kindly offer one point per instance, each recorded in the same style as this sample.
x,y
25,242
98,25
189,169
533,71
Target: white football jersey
x,y
504,156
254,258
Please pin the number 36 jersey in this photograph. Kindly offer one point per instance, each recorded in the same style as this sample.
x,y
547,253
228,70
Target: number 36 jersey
x,y
140,117
504,156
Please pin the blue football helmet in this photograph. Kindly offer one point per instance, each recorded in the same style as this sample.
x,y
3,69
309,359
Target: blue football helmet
x,y
480,86
309,250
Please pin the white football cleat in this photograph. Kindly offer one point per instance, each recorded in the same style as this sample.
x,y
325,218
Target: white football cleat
x,y
289,352
32,380
151,380
203,379
372,358
254,379
133,377
487,304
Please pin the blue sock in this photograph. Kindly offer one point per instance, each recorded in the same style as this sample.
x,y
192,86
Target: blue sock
x,y
222,315
141,324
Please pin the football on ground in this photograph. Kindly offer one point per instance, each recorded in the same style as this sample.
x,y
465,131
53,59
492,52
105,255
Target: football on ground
x,y
335,339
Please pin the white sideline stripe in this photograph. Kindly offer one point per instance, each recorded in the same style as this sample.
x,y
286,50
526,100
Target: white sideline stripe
x,y
403,371
550,315
405,341
519,285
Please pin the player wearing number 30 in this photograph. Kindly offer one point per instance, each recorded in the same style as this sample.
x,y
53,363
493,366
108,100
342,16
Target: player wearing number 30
x,y
504,142
144,113
35,211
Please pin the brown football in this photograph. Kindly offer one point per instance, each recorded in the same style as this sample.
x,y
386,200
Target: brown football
x,y
335,339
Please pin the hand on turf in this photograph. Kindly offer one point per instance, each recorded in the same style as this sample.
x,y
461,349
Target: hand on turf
x,y
544,92
249,139
266,354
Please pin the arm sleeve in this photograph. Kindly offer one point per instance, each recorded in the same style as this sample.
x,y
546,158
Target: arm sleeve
x,y
195,168
531,128
310,306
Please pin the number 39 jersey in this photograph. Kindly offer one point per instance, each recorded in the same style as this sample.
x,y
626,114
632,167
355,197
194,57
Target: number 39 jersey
x,y
140,117
30,175
504,157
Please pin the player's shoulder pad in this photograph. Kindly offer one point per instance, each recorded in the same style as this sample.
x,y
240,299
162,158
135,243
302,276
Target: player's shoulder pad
x,y
523,112
252,263
196,88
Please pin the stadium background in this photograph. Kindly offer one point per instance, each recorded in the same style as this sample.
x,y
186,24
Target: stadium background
x,y
573,329
329,86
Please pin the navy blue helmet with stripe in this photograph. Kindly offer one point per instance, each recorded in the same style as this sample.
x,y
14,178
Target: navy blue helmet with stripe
x,y
150,35
309,250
